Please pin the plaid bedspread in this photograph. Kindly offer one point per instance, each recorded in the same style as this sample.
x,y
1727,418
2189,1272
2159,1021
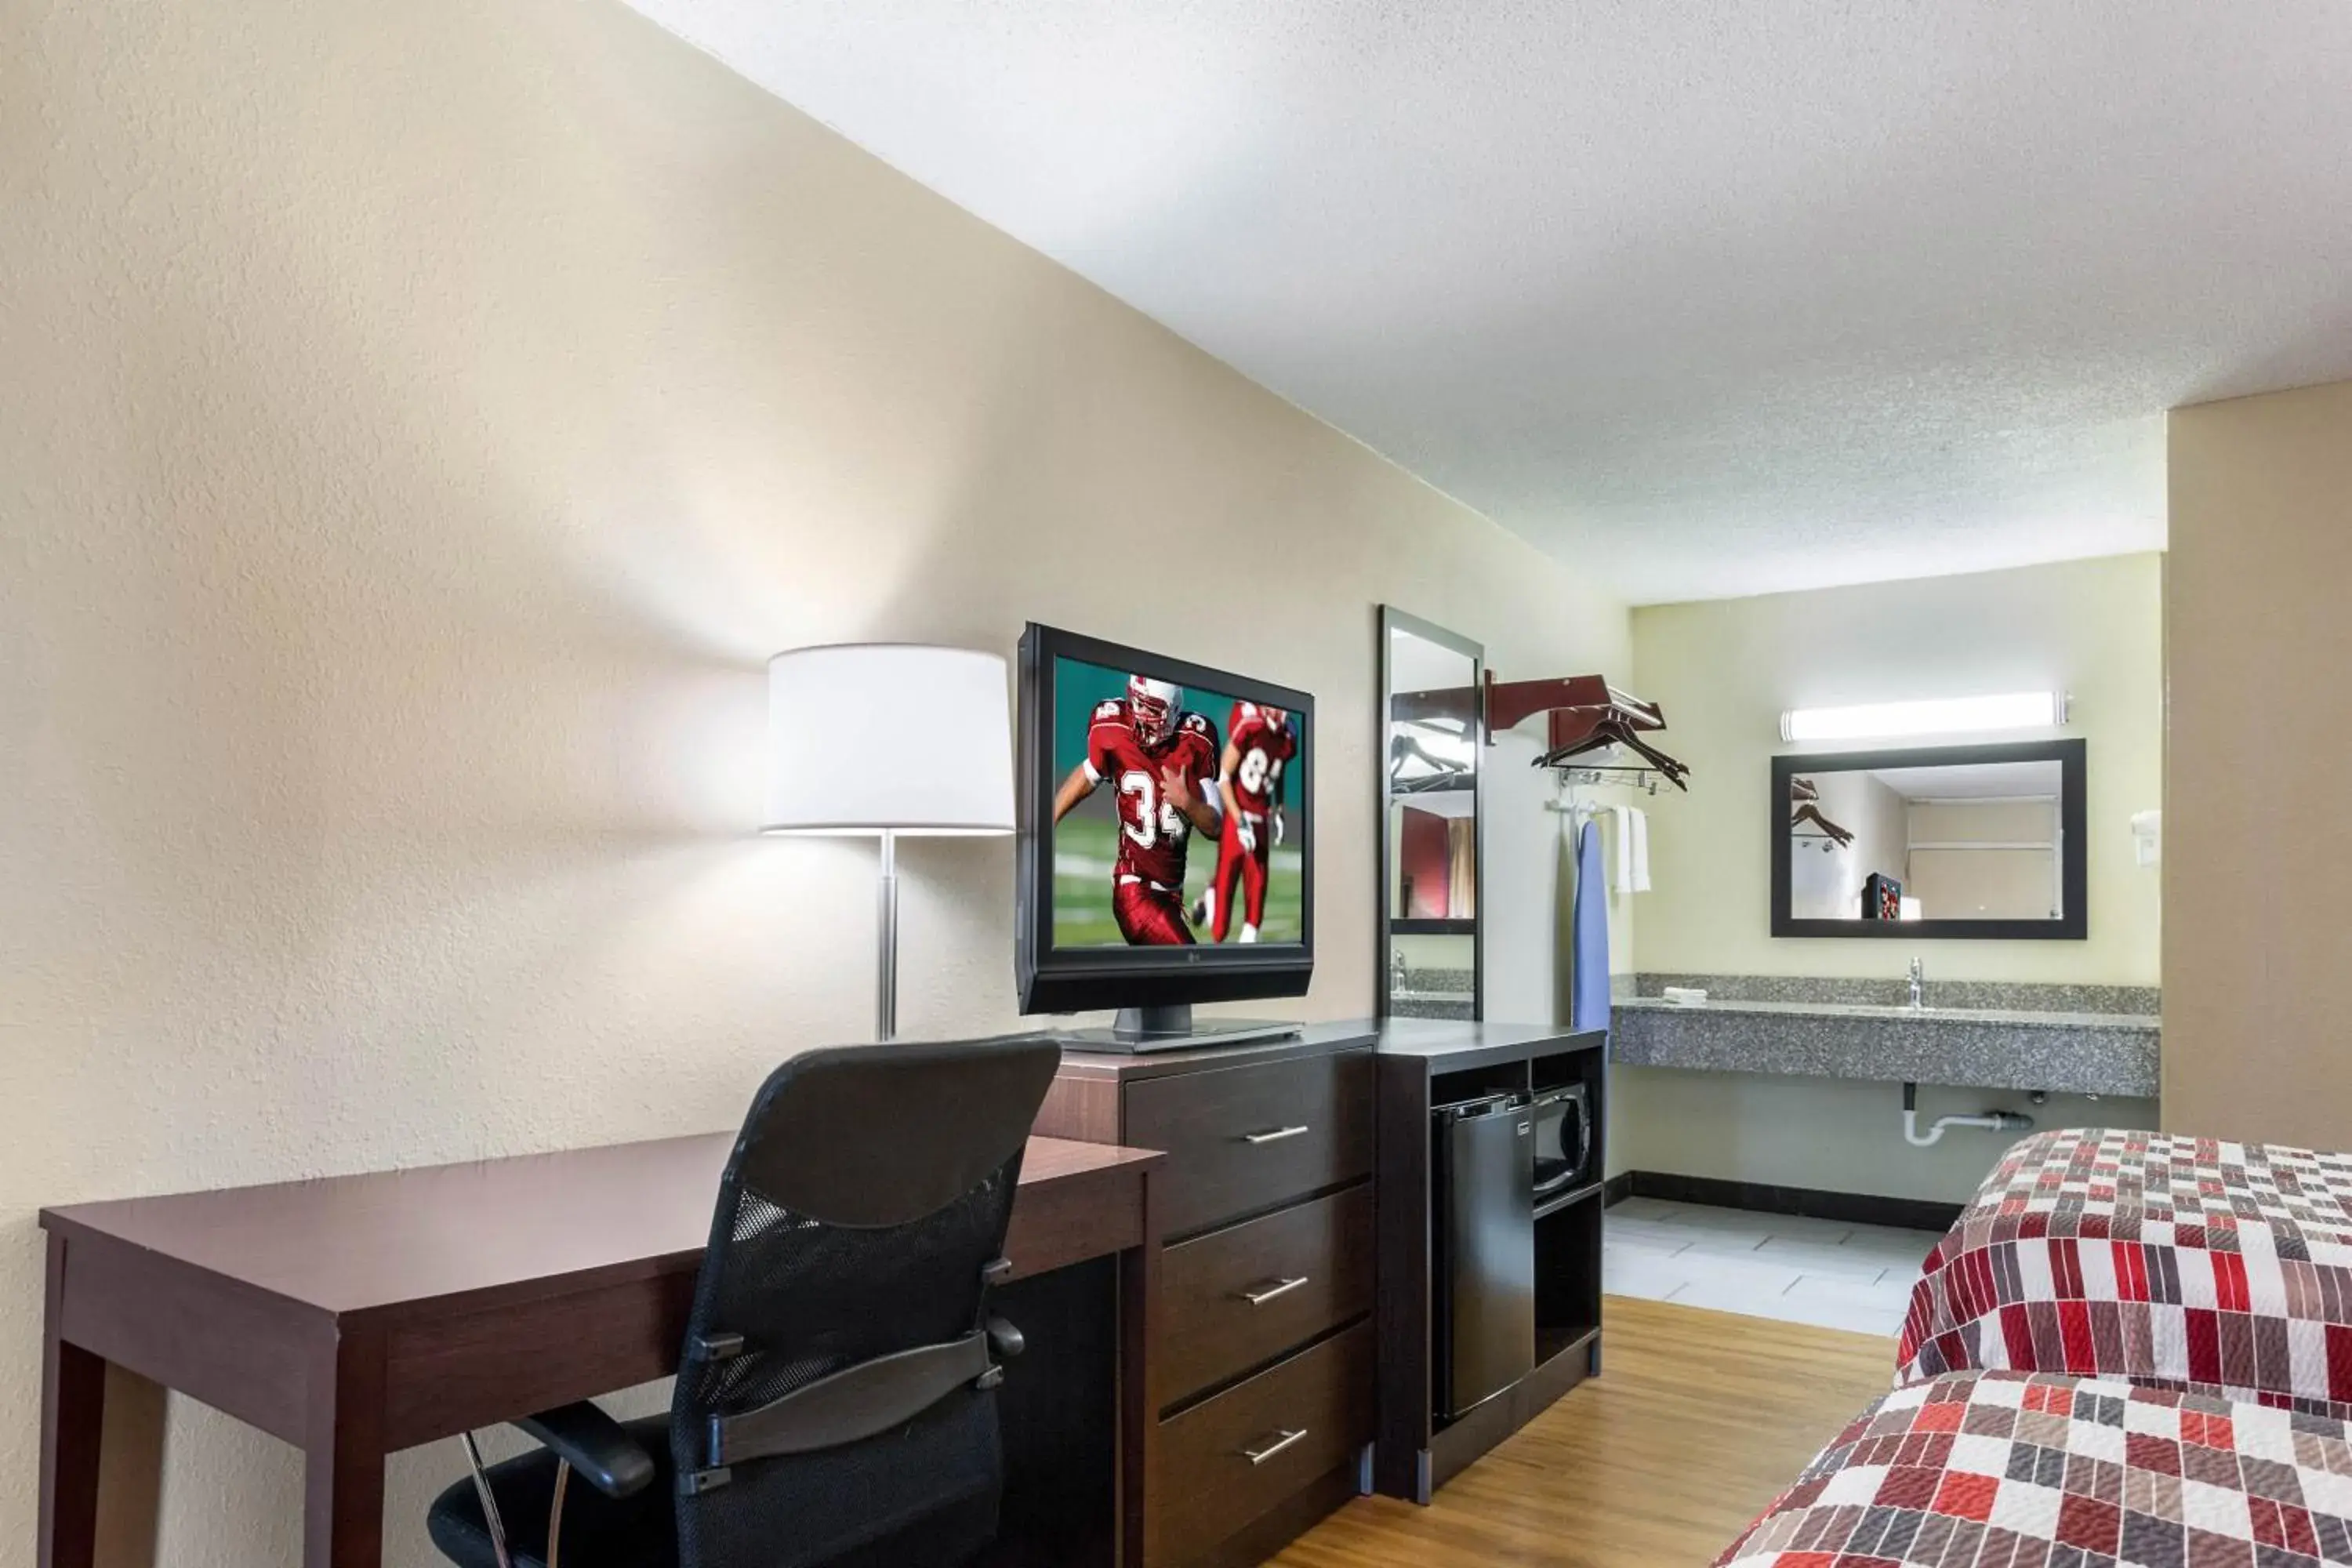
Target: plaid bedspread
x,y
2004,1469
2181,1262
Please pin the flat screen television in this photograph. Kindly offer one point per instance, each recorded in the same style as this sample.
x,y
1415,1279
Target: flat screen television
x,y
1167,833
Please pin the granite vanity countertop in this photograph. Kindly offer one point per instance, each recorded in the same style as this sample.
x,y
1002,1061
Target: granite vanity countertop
x,y
2063,1053
2021,1018
1432,994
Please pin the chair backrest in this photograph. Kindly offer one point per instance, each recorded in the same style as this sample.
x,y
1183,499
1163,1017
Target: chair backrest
x,y
849,1264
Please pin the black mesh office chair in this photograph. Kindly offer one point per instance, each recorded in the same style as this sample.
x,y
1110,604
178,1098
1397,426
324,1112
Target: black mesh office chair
x,y
834,1406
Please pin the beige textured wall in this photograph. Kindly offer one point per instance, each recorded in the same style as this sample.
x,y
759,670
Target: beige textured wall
x,y
418,422
2258,844
1725,671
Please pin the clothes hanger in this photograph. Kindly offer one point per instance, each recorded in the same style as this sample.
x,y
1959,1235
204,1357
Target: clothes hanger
x,y
1609,733
1610,730
1674,771
1588,715
1808,812
1404,749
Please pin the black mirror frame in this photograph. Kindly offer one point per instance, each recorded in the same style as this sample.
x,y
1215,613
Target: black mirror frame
x,y
2074,925
1394,620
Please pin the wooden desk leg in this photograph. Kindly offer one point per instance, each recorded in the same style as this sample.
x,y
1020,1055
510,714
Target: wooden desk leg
x,y
73,1423
342,1478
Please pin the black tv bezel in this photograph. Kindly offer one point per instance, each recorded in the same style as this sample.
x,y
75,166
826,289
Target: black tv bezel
x,y
1073,980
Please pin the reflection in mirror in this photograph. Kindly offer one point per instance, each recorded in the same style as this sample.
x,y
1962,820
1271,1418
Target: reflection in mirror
x,y
1432,976
1429,758
1956,837
1433,770
1960,843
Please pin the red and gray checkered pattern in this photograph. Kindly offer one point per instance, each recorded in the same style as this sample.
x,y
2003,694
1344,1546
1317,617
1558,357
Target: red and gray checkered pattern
x,y
2217,1267
2006,1470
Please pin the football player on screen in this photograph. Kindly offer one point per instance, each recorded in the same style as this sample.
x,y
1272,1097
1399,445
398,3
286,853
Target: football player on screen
x,y
1162,761
1259,742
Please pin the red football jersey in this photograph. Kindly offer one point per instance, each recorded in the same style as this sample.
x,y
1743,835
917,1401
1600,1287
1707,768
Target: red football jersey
x,y
1152,833
1263,746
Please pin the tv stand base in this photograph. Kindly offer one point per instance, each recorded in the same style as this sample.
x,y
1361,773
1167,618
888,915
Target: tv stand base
x,y
1141,1029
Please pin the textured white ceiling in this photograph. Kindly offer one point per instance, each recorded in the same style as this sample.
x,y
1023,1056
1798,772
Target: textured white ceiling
x,y
1710,298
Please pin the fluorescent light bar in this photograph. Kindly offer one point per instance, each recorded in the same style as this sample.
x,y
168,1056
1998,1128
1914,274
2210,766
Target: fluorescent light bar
x,y
1944,716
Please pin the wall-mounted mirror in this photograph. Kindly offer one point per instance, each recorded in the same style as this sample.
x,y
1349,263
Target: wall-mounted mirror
x,y
1948,841
1430,957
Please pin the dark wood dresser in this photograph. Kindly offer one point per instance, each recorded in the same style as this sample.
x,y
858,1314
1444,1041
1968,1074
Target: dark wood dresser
x,y
1262,1366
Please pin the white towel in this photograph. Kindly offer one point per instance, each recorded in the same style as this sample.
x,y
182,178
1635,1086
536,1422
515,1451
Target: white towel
x,y
1640,854
1620,837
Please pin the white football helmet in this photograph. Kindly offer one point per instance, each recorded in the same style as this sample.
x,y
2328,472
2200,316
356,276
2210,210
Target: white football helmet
x,y
1155,704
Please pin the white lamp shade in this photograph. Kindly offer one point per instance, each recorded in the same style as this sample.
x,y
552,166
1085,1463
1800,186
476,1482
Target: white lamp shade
x,y
867,738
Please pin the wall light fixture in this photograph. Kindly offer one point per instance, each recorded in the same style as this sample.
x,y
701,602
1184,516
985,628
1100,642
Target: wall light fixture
x,y
1940,716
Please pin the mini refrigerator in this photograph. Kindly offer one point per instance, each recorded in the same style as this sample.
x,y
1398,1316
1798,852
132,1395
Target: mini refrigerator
x,y
1483,1282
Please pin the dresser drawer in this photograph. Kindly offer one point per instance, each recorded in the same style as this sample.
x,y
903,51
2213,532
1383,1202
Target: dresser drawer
x,y
1225,1462
1239,1139
1240,1297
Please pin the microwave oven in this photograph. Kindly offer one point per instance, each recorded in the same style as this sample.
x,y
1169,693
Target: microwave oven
x,y
1563,1133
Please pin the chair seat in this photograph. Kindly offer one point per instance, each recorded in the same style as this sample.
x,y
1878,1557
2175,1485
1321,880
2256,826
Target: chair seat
x,y
641,1532
638,1532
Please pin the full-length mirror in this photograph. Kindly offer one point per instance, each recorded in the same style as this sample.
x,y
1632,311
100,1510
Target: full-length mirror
x,y
1952,841
1430,789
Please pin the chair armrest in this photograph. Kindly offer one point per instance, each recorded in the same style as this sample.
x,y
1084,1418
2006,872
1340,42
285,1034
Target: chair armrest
x,y
597,1446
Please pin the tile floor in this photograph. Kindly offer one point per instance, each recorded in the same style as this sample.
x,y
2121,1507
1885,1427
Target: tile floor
x,y
1817,1271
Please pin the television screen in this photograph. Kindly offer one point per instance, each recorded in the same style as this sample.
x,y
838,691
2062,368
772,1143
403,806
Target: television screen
x,y
1167,850
1175,820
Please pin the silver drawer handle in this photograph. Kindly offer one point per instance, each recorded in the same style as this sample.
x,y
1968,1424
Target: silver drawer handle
x,y
1277,1136
1260,1456
1279,1288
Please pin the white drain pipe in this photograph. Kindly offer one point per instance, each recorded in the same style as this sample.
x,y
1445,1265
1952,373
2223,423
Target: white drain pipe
x,y
1991,1122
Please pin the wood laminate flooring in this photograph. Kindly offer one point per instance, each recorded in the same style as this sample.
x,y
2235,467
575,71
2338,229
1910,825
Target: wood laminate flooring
x,y
1698,1421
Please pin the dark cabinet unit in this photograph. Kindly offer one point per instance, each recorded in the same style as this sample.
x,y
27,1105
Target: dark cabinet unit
x,y
1262,1367
1489,1225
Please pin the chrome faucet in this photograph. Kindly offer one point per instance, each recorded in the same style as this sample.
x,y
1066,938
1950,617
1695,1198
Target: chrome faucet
x,y
1918,986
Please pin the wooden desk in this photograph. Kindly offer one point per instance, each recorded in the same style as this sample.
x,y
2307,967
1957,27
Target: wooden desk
x,y
359,1315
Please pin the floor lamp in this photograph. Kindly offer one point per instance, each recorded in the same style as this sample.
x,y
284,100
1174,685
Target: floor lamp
x,y
881,739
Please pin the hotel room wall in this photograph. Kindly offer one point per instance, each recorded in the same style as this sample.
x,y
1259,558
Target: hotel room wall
x,y
1725,669
2258,850
417,424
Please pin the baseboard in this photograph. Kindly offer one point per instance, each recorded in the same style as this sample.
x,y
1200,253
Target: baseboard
x,y
1616,1189
1851,1208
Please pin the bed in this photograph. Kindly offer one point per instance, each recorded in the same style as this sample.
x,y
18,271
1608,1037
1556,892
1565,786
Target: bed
x,y
2181,1263
2012,1469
